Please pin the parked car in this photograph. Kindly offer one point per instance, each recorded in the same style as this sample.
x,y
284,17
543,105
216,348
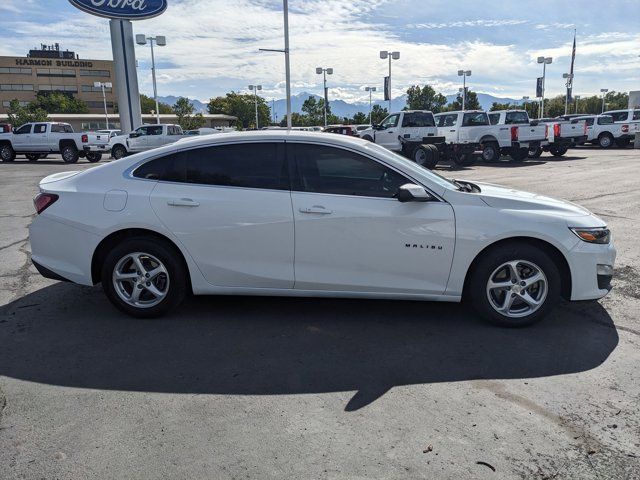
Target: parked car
x,y
38,139
145,138
630,116
98,142
302,214
525,133
413,133
342,130
602,131
562,135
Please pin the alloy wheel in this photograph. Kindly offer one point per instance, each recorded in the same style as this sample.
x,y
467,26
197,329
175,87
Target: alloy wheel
x,y
141,280
517,288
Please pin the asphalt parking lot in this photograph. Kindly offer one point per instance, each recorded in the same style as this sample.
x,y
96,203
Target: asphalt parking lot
x,y
332,389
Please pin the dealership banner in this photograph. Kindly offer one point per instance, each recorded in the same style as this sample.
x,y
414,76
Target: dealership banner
x,y
539,87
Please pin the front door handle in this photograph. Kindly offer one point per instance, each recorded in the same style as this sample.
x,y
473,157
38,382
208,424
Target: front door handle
x,y
316,209
183,202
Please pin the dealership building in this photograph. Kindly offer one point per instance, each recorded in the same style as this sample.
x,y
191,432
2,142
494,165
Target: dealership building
x,y
50,69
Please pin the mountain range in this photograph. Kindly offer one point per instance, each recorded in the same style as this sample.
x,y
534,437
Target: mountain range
x,y
342,108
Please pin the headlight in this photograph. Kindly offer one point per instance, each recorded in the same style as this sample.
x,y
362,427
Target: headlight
x,y
600,235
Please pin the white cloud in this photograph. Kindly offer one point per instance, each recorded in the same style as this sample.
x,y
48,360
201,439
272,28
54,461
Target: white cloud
x,y
468,24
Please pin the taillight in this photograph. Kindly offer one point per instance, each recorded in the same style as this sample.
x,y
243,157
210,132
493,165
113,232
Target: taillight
x,y
556,129
85,138
42,201
546,131
514,134
625,128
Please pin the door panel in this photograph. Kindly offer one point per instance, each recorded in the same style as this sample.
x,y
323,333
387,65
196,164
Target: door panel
x,y
388,135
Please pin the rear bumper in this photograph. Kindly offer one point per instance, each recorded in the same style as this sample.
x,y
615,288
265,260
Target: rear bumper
x,y
97,148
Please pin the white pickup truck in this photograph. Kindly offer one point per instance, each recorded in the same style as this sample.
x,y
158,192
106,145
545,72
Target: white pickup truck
x,y
474,127
414,134
603,131
563,134
525,133
630,116
37,140
145,138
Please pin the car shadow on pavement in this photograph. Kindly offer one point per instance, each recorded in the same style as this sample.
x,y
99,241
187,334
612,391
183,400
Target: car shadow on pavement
x,y
71,336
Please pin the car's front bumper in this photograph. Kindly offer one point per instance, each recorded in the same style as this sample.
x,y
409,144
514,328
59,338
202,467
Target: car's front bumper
x,y
589,281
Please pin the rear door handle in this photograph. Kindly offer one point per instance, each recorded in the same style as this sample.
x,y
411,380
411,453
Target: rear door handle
x,y
316,209
183,202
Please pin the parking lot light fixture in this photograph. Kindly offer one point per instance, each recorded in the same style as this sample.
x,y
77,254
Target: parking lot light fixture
x,y
464,74
370,90
544,61
384,54
604,94
254,89
324,72
102,86
161,41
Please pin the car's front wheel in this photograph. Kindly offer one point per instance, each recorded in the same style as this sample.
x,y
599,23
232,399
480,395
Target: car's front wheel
x,y
144,277
118,152
94,157
515,285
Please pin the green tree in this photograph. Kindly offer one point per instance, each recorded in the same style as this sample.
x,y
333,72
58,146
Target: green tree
x,y
425,98
147,104
501,106
242,106
314,110
58,102
377,114
297,120
471,102
19,115
184,111
360,118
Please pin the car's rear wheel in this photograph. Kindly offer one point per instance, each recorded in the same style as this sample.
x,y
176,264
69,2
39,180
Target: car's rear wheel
x,y
515,285
32,157
118,152
70,154
490,152
94,157
424,155
534,152
464,159
7,153
518,154
144,277
558,150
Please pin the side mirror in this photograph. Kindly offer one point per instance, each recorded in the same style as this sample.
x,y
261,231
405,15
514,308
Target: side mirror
x,y
134,135
410,192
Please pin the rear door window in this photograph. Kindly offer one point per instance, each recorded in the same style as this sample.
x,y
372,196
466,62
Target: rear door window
x,y
40,128
494,118
516,118
475,119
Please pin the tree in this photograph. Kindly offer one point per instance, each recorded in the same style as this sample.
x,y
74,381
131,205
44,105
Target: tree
x,y
360,118
471,102
297,120
501,106
377,114
242,106
147,104
184,112
19,115
314,110
58,102
425,98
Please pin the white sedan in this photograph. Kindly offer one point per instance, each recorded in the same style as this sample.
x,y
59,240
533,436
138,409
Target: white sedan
x,y
301,214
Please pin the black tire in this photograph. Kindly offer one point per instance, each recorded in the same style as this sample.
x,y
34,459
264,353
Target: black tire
x,y
518,155
436,153
94,157
423,155
118,152
605,140
464,159
558,150
7,153
490,152
534,152
69,154
163,251
490,261
623,142
32,157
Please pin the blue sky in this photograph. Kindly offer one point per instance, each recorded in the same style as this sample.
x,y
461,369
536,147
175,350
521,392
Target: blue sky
x,y
213,44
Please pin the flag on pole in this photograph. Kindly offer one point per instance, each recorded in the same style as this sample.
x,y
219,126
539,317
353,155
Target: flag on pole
x,y
573,59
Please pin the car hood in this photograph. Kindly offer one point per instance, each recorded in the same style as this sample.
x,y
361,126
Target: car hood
x,y
508,198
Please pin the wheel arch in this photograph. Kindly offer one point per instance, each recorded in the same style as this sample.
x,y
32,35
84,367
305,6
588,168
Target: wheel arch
x,y
101,250
489,139
556,255
66,142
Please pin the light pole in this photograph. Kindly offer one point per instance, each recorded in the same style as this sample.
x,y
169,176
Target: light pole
x,y
569,78
544,61
390,55
577,97
102,86
325,72
161,41
370,90
604,94
464,74
254,89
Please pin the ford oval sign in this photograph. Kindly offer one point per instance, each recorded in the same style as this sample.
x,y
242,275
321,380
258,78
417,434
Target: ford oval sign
x,y
122,9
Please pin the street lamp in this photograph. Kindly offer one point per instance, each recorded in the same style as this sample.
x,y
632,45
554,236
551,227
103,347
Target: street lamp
x,y
102,86
390,55
370,90
254,89
604,94
569,78
161,41
325,72
544,61
577,97
464,74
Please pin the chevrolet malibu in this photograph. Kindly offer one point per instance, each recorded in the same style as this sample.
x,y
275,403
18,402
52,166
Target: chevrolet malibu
x,y
303,214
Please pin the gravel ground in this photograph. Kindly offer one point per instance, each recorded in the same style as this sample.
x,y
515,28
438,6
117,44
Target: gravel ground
x,y
332,389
